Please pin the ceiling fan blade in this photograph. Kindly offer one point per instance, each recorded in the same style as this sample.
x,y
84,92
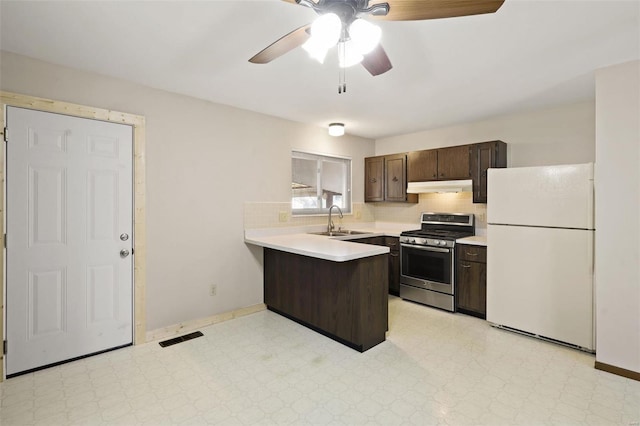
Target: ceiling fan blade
x,y
377,62
283,45
415,10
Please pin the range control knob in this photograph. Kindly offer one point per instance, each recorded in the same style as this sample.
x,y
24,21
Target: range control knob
x,y
443,243
413,241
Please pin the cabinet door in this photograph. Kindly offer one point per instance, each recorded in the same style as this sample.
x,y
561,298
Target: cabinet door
x,y
471,290
374,179
395,178
454,162
486,155
422,165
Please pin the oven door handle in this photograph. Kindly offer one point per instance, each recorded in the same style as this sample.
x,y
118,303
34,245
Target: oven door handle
x,y
436,249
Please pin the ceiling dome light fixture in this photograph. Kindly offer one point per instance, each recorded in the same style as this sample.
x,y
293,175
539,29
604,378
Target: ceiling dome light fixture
x,y
336,129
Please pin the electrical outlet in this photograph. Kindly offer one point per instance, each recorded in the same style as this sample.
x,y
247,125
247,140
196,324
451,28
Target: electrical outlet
x,y
481,217
283,216
213,290
358,214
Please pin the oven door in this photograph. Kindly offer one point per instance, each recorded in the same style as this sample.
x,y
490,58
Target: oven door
x,y
427,267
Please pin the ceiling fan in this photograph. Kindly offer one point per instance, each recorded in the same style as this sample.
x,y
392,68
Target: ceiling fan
x,y
341,23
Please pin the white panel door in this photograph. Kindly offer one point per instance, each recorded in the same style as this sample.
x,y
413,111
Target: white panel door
x,y
69,200
540,280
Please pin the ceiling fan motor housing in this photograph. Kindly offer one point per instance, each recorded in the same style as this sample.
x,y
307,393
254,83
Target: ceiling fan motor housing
x,y
347,10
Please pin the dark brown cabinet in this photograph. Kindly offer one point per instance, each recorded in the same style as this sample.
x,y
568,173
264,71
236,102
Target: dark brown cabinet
x,y
394,264
385,179
374,179
486,155
346,301
394,258
471,280
454,162
440,164
395,182
422,165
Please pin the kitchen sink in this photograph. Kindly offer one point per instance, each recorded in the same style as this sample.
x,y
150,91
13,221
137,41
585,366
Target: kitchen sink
x,y
340,233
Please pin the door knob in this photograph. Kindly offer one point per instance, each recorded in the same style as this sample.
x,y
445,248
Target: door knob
x,y
124,253
124,237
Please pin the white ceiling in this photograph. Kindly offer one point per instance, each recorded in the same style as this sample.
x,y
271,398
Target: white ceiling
x,y
530,54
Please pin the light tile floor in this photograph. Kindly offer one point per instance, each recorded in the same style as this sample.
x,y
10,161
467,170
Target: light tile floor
x,y
434,368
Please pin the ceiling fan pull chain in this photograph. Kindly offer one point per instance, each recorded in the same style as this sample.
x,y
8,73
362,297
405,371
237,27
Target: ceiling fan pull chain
x,y
342,84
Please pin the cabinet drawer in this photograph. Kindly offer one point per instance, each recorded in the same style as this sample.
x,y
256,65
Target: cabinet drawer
x,y
471,253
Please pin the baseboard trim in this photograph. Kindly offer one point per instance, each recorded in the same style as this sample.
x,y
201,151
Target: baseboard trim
x,y
188,326
629,374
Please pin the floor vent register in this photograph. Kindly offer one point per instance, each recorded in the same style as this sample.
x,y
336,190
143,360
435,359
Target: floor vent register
x,y
181,339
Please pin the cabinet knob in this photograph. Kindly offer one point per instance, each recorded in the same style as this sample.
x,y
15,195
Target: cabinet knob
x,y
395,179
435,175
441,174
470,254
465,266
373,180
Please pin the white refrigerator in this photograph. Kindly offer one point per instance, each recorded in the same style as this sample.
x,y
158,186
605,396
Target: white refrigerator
x,y
540,238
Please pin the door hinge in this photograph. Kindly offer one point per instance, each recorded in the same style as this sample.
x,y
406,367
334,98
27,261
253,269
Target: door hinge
x,y
5,134
4,240
4,347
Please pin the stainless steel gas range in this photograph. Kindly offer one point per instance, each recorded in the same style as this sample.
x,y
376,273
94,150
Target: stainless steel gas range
x,y
427,258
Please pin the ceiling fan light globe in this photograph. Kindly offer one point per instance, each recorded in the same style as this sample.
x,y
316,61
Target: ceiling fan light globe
x,y
326,30
348,55
364,35
315,50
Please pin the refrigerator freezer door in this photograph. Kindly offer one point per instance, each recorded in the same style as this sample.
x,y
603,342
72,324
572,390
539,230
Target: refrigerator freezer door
x,y
540,280
554,196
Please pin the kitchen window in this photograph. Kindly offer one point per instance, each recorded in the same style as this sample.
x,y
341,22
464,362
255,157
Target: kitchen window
x,y
319,181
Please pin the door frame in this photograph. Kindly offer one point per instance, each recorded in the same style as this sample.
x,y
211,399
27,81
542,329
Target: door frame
x,y
139,196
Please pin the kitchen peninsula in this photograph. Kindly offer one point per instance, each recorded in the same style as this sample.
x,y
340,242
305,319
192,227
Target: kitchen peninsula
x,y
337,288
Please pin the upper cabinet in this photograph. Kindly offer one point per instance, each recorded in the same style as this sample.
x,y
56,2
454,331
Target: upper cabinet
x,y
422,165
458,162
395,182
454,162
374,179
440,164
486,155
385,179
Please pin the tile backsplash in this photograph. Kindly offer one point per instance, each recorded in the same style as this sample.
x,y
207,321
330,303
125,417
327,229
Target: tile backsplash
x,y
277,215
455,202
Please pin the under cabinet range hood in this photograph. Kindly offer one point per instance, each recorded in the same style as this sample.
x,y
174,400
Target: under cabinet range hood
x,y
440,186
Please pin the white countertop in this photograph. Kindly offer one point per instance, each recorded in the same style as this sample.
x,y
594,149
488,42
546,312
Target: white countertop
x,y
319,246
298,240
338,249
476,240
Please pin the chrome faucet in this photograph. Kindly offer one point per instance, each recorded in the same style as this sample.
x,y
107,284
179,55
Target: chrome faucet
x,y
330,226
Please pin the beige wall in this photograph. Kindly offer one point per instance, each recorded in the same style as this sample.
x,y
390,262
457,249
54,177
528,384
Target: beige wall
x,y
618,216
204,161
560,135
